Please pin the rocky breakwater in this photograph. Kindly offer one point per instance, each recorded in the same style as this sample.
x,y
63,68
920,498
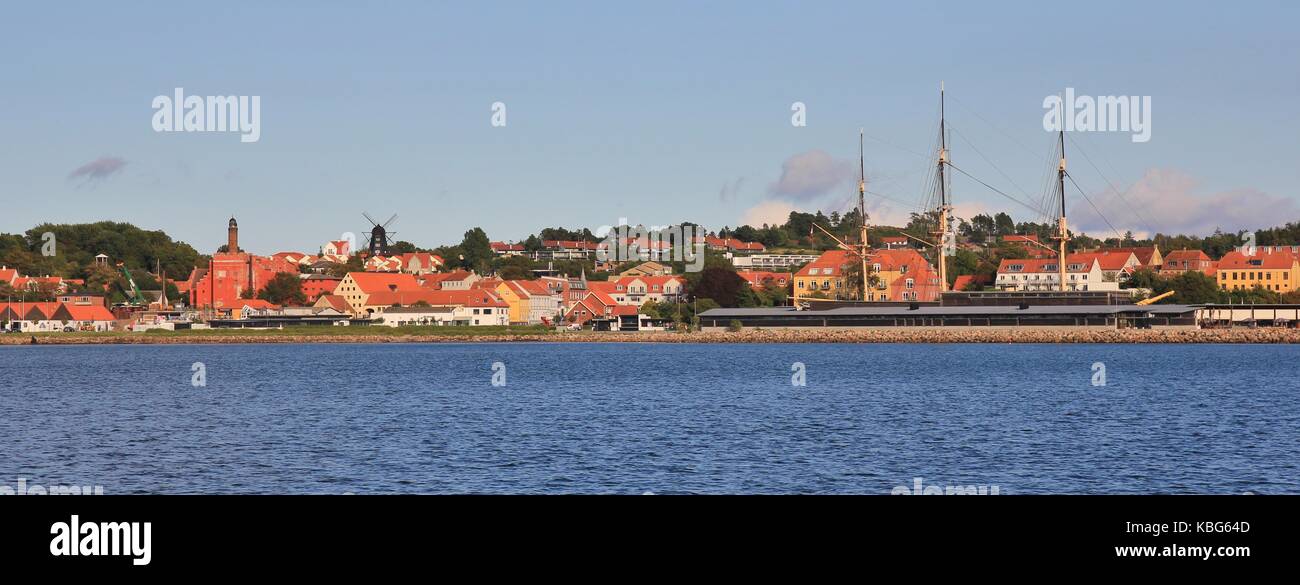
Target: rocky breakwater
x,y
881,335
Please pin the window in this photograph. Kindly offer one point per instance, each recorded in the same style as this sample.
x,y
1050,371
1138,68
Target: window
x,y
911,283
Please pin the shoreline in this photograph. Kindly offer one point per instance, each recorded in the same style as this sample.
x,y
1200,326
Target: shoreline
x,y
928,335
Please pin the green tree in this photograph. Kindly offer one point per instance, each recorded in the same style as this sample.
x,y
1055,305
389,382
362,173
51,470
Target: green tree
x,y
1003,224
285,288
477,250
722,285
354,264
402,247
514,268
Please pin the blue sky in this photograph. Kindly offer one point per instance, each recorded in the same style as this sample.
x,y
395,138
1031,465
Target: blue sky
x,y
657,112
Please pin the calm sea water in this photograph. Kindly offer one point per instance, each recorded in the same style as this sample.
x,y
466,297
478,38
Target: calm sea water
x,y
636,418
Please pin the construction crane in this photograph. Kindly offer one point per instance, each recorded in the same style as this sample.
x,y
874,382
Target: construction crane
x,y
1155,299
136,298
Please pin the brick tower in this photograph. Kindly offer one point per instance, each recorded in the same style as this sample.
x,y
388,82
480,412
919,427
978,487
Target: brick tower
x,y
232,242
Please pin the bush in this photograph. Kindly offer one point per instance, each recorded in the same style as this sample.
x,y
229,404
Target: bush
x,y
734,326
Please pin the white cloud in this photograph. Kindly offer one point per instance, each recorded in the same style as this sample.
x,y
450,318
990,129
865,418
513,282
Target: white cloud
x,y
1172,202
772,212
810,175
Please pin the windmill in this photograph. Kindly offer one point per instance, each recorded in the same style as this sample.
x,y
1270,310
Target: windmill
x,y
379,235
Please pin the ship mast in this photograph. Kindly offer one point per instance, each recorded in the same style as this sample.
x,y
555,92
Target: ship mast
x,y
862,213
945,203
1063,233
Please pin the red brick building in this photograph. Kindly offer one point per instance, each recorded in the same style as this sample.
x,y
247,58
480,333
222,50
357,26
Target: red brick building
x,y
228,275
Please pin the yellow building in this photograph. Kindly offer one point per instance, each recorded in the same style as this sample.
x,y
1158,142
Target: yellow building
x,y
895,276
517,298
531,302
1270,268
823,278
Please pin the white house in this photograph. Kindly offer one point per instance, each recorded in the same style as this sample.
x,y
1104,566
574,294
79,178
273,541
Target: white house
x,y
1082,273
636,290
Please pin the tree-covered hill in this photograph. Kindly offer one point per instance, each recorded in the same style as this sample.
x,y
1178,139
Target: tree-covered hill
x,y
77,244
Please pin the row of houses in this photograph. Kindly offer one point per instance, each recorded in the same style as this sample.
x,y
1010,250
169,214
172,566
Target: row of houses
x,y
650,248
63,315
466,298
1273,268
44,284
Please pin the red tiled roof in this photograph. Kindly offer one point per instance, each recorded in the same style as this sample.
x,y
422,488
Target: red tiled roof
x,y
1180,256
734,244
569,245
252,304
373,282
1262,259
761,278
336,302
504,247
966,280
1144,253
439,298
536,287
604,286
1041,265
85,312
527,288
1110,260
832,260
31,311
650,281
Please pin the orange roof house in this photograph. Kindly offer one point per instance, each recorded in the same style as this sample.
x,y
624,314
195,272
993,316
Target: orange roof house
x,y
1271,268
1147,256
823,276
971,281
763,279
82,313
335,302
1179,261
733,245
894,241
